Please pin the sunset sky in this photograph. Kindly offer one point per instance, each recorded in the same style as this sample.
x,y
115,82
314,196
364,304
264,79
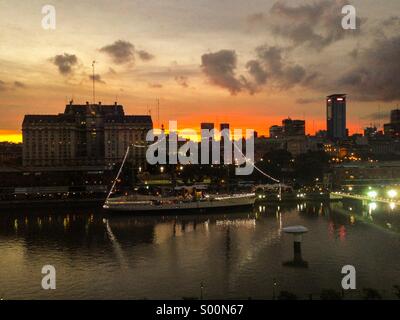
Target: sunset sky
x,y
249,63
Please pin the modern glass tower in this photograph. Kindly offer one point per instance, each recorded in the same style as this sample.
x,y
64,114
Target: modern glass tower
x,y
336,116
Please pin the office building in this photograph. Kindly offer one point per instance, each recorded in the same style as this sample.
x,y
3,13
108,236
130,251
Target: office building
x,y
275,132
336,116
292,128
393,128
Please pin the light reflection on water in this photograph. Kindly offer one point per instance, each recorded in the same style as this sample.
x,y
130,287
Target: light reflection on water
x,y
235,255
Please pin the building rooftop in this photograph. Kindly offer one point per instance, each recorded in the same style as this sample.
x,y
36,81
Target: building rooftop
x,y
111,113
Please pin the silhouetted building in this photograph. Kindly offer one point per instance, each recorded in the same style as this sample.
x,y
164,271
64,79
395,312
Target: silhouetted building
x,y
207,126
10,154
395,116
336,116
225,136
84,135
321,134
370,131
293,127
223,126
366,173
276,132
393,128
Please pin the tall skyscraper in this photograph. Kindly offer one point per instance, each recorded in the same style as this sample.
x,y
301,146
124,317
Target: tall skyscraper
x,y
225,137
224,126
336,116
207,126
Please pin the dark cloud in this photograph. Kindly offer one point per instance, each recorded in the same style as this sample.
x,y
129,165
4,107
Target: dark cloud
x,y
391,21
182,81
271,57
97,78
293,75
123,52
281,71
384,115
19,84
11,86
376,74
309,100
65,63
257,72
120,51
315,24
144,55
220,68
270,65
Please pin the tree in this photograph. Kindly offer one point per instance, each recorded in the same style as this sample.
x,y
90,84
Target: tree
x,y
310,165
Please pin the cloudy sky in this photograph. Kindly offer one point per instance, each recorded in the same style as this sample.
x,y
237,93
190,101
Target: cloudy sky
x,y
249,63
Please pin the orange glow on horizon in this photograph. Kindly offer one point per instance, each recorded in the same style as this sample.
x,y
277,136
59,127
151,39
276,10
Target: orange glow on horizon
x,y
10,136
15,136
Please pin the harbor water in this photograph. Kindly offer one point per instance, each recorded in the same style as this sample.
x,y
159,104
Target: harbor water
x,y
223,255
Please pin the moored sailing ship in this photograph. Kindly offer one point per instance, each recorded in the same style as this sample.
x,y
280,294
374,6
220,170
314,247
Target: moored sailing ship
x,y
160,203
175,200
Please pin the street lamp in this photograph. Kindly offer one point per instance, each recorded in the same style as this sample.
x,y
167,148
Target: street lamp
x,y
372,194
392,194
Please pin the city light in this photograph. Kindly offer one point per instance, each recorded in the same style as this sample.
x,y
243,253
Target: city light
x,y
372,194
372,206
392,193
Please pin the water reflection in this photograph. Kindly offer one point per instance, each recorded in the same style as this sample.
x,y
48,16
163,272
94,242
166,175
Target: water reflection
x,y
234,255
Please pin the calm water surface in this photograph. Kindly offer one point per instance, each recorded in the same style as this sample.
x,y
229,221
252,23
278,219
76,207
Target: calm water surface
x,y
234,255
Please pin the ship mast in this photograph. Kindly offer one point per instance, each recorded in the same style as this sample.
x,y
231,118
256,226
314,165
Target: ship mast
x,y
119,173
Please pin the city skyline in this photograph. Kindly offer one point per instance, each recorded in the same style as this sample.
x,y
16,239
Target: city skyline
x,y
203,63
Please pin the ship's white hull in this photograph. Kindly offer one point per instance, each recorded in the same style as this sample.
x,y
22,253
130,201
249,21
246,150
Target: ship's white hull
x,y
223,201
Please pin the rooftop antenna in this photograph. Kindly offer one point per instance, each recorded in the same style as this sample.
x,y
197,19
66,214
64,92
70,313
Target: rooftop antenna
x,y
94,92
379,116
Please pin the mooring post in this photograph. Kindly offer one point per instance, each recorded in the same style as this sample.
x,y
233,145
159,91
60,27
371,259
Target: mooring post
x,y
297,232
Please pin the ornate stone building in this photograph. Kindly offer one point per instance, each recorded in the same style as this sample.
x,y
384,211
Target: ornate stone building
x,y
84,135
